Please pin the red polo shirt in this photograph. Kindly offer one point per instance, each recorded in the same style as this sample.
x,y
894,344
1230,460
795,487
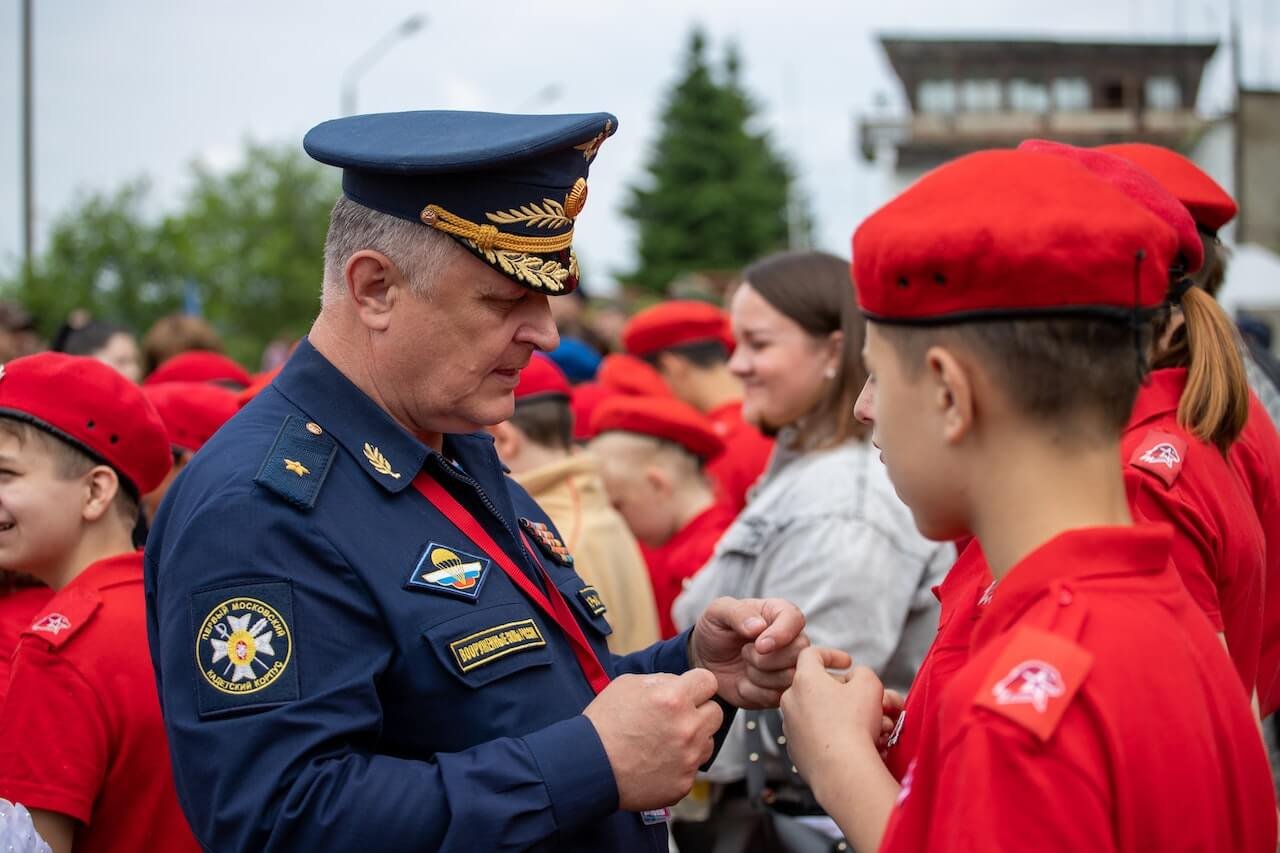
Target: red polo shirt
x,y
680,558
746,453
1097,712
1256,459
962,595
1218,546
82,722
17,608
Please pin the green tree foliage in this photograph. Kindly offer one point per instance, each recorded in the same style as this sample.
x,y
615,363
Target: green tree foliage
x,y
249,241
716,193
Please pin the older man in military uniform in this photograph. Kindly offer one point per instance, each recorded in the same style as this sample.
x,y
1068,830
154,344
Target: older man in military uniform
x,y
366,636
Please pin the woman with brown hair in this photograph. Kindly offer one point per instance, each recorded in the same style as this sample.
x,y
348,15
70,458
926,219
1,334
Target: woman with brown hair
x,y
822,527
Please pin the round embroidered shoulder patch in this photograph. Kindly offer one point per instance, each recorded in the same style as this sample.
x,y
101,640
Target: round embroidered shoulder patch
x,y
243,646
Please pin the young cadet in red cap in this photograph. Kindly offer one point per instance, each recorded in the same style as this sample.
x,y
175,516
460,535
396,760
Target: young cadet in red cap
x,y
653,453
689,343
192,412
1256,453
624,374
201,366
1004,293
84,747
536,444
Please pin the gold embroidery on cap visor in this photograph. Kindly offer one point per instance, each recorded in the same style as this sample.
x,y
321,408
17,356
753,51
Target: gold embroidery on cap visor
x,y
591,147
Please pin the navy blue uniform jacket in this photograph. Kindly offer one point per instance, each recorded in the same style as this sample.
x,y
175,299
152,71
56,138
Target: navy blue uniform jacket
x,y
341,669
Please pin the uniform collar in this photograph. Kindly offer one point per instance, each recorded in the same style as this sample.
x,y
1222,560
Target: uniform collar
x,y
1159,395
107,572
1076,555
380,446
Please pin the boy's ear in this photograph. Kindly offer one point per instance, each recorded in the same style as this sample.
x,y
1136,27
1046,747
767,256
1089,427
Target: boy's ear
x,y
658,479
102,485
953,392
671,366
507,440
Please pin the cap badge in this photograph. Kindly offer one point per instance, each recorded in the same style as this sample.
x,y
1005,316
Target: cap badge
x,y
591,147
576,199
378,461
295,467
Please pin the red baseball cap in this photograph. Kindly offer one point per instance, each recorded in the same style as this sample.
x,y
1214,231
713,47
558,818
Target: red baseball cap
x,y
626,374
671,324
192,411
1140,186
665,418
200,366
586,397
542,378
258,385
1203,197
89,405
1009,234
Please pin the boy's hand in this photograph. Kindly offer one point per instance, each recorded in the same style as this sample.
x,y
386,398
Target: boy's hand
x,y
831,721
892,706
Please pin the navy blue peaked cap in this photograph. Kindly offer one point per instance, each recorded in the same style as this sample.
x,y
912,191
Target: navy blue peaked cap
x,y
507,187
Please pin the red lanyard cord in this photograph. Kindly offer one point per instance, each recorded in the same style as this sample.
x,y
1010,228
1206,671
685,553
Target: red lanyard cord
x,y
552,605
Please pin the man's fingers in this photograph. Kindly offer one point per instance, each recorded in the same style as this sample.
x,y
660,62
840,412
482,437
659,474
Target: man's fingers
x,y
755,697
710,718
833,658
785,624
699,685
893,700
773,679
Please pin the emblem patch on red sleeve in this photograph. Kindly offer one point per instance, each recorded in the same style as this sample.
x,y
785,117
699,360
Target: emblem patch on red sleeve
x,y
74,609
1034,680
1162,454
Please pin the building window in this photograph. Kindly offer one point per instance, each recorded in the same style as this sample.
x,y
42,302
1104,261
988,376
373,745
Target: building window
x,y
1071,94
980,96
1163,93
937,96
1028,96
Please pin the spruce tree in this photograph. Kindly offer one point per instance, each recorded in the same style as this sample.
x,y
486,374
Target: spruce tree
x,y
715,196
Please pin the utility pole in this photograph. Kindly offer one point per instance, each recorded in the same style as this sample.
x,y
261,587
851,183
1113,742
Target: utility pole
x,y
1237,80
28,156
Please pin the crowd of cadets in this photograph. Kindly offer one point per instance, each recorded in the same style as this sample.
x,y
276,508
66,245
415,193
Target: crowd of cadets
x,y
1014,300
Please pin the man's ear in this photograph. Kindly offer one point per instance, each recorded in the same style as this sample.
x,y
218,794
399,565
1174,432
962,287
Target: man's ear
x,y
102,484
953,392
507,440
373,283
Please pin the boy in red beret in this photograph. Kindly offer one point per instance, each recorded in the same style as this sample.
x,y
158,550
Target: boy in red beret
x,y
192,412
84,747
689,343
1008,296
201,366
653,454
536,444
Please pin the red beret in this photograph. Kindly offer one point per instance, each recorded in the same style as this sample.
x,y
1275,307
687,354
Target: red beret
x,y
258,385
91,406
1207,202
191,411
584,400
660,417
626,374
200,366
1006,234
1138,185
542,377
671,324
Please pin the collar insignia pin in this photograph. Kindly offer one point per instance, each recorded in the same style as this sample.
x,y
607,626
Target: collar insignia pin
x,y
378,461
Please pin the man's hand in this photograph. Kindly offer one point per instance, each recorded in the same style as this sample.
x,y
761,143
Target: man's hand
x,y
831,721
657,730
751,646
892,706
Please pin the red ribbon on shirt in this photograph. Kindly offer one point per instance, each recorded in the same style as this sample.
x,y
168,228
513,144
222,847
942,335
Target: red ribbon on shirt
x,y
553,607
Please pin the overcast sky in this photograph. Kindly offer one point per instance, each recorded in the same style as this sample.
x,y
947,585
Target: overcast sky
x,y
129,88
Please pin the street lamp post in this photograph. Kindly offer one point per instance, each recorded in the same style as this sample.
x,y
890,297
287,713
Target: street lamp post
x,y
351,77
28,156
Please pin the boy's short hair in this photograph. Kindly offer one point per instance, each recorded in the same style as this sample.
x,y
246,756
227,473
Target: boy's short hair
x,y
1060,372
546,421
701,354
70,461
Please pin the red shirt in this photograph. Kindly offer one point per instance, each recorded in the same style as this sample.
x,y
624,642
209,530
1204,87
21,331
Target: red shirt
x,y
680,558
1256,458
82,722
962,595
746,453
1097,712
17,608
1218,546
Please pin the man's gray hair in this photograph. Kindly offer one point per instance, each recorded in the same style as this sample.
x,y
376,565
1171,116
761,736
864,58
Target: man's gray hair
x,y
414,249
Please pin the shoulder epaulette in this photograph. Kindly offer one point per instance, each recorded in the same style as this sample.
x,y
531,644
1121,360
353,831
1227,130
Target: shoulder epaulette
x,y
298,462
1162,454
63,617
1035,679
